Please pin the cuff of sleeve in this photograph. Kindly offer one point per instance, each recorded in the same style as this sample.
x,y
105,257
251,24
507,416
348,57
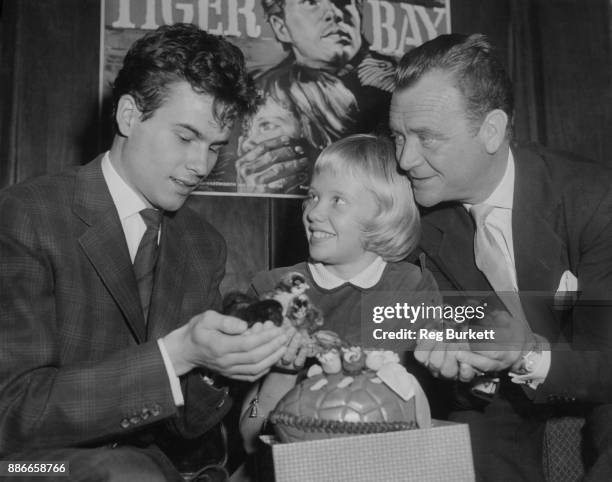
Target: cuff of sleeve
x,y
539,372
175,383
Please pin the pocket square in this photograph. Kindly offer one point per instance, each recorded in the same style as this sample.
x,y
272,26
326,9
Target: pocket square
x,y
566,293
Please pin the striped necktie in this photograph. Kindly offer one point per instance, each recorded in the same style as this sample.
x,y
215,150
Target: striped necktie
x,y
146,258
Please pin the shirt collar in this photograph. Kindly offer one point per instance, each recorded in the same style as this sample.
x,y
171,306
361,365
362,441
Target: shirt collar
x,y
126,200
503,195
365,279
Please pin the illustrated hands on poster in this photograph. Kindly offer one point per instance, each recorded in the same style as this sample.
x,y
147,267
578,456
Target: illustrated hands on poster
x,y
277,165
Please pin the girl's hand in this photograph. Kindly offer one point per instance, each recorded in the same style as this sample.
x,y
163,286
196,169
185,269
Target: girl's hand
x,y
298,349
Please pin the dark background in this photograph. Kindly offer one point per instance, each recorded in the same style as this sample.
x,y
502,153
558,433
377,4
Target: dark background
x,y
559,53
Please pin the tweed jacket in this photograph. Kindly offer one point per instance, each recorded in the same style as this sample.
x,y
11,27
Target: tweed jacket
x,y
78,365
561,221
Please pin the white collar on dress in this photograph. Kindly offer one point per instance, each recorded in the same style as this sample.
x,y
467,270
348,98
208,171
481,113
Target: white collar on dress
x,y
365,279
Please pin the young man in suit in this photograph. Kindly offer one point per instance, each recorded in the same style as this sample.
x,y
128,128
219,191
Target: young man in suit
x,y
109,342
533,229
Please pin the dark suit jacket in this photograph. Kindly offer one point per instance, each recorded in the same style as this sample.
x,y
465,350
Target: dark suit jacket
x,y
561,220
77,364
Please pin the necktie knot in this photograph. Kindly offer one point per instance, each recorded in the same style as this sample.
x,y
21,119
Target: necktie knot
x,y
480,212
151,217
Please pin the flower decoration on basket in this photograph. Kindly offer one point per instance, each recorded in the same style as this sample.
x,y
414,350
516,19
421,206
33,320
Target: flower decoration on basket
x,y
350,391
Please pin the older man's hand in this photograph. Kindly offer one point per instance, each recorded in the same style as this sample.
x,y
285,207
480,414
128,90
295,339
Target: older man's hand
x,y
440,358
513,338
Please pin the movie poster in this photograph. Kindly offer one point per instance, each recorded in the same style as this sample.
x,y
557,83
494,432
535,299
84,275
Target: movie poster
x,y
324,68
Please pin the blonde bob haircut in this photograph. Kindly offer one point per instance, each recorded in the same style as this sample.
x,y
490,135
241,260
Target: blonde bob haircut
x,y
396,228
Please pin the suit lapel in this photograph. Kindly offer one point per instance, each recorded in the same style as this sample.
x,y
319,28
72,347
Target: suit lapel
x,y
104,244
540,254
167,296
449,235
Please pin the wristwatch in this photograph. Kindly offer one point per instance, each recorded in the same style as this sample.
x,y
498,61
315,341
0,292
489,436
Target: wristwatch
x,y
529,361
523,370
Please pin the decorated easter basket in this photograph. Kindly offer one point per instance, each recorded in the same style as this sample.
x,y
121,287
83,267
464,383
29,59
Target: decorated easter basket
x,y
353,391
326,406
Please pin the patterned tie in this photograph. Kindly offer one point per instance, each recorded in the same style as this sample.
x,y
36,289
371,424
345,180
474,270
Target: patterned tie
x,y
146,257
491,261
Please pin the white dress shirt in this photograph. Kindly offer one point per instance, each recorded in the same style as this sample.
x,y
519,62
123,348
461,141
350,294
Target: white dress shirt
x,y
129,205
499,222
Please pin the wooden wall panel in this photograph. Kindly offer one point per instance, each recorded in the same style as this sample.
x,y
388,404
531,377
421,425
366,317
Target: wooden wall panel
x,y
50,109
490,17
564,95
576,40
244,223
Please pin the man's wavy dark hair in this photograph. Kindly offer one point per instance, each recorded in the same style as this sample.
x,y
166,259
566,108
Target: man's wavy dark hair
x,y
183,52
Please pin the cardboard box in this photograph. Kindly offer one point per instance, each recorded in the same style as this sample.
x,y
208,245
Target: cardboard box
x,y
441,453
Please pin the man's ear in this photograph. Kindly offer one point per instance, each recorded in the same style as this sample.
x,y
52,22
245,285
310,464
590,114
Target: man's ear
x,y
493,130
280,29
127,114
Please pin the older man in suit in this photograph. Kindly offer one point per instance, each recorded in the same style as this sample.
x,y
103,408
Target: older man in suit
x,y
109,345
533,229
